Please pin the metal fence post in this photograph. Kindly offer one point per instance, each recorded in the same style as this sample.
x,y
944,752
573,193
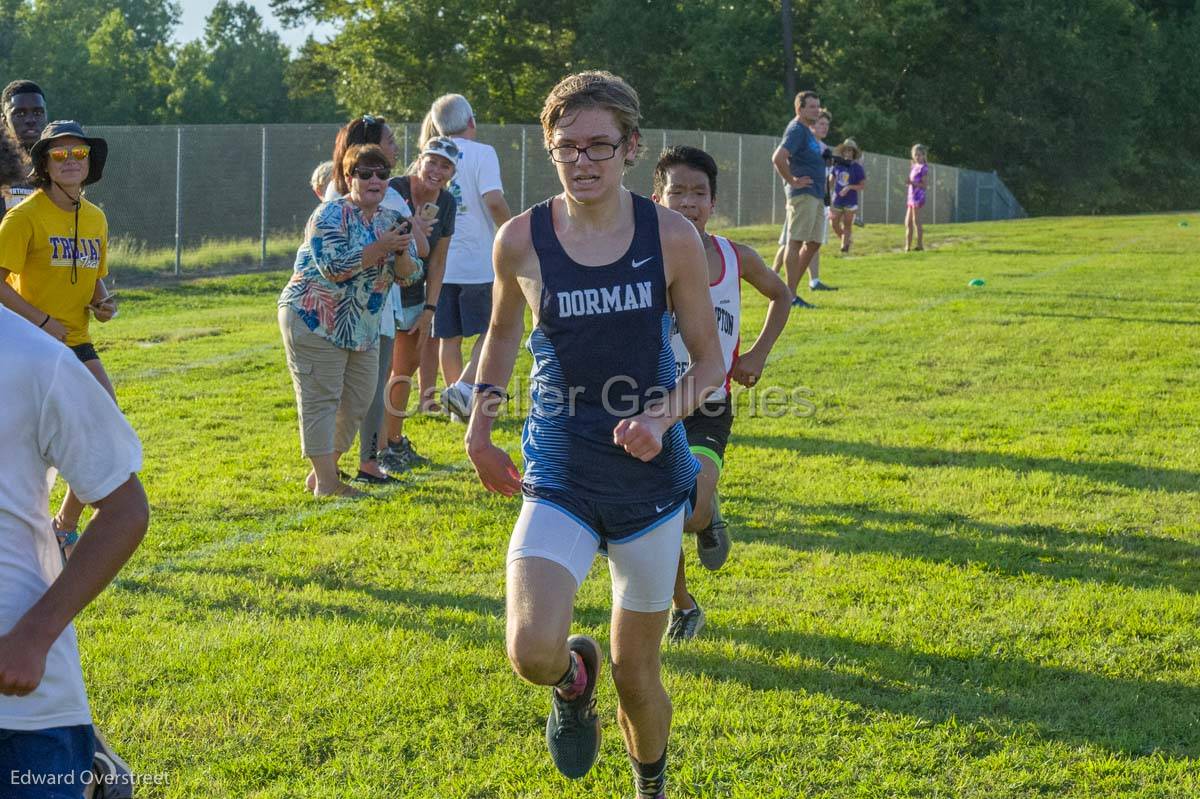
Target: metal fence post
x,y
933,199
740,170
887,191
178,198
957,193
262,203
522,167
405,145
774,194
664,138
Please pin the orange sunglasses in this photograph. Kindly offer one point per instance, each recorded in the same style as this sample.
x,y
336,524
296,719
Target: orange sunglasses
x,y
78,152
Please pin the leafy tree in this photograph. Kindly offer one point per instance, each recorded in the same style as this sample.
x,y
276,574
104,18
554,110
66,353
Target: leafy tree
x,y
1049,99
234,74
67,46
116,58
397,57
310,86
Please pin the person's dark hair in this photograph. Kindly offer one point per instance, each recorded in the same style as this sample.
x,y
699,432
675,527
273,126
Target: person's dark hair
x,y
682,155
803,97
369,155
19,87
366,129
14,164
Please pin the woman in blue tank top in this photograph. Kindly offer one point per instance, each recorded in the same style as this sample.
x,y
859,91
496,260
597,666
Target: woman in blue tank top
x,y
607,464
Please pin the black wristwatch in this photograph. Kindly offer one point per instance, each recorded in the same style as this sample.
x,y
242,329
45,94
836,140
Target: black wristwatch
x,y
429,307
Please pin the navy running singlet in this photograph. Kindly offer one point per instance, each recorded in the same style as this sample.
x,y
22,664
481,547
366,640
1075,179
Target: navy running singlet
x,y
601,349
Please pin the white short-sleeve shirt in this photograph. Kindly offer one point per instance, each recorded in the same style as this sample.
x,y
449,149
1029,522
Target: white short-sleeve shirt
x,y
55,415
469,259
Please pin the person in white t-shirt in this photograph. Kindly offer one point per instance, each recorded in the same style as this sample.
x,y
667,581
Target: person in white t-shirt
x,y
56,416
465,303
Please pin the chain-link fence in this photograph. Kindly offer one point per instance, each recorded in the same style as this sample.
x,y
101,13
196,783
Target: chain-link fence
x,y
178,188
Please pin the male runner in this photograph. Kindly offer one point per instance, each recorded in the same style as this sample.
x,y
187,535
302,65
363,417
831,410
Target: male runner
x,y
606,458
685,180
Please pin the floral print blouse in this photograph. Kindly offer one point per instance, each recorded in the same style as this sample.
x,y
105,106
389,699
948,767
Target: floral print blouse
x,y
330,290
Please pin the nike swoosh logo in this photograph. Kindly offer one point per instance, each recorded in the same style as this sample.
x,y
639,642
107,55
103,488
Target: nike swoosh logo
x,y
663,508
637,263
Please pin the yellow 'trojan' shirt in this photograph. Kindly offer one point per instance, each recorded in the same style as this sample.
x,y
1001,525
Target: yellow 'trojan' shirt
x,y
37,240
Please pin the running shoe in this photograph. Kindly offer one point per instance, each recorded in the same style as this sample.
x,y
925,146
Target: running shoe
x,y
113,776
366,478
819,286
410,455
712,543
458,405
573,728
392,460
798,302
400,457
685,624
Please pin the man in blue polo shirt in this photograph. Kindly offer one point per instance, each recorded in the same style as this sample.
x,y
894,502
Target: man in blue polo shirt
x,y
798,160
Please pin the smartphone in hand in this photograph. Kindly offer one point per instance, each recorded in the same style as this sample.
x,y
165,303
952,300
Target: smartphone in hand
x,y
429,211
96,306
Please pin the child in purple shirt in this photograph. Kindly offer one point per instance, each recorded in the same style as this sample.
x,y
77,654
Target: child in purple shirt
x,y
918,178
848,181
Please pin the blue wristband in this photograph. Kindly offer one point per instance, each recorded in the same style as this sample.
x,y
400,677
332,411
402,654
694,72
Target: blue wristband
x,y
488,388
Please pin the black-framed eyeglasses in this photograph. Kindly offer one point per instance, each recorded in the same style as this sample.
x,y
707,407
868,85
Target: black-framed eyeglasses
x,y
600,151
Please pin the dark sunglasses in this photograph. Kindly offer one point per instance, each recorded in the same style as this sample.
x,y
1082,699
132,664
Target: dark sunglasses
x,y
366,173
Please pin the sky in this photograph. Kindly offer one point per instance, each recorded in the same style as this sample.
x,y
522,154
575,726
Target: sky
x,y
191,24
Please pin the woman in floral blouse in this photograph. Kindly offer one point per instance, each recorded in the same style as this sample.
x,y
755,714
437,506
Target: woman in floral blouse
x,y
353,251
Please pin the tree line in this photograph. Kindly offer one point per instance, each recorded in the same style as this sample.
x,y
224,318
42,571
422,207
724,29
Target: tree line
x,y
1082,106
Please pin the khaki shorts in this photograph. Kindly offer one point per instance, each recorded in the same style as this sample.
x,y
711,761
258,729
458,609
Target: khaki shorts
x,y
805,218
334,386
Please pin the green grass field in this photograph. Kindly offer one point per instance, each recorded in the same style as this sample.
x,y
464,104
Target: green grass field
x,y
974,572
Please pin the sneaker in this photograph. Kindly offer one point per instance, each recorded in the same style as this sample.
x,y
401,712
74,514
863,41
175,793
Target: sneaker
x,y
113,777
573,728
685,624
454,401
712,543
392,461
819,286
798,302
410,455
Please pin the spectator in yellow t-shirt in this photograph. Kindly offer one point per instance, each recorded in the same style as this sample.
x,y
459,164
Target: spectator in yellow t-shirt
x,y
53,258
